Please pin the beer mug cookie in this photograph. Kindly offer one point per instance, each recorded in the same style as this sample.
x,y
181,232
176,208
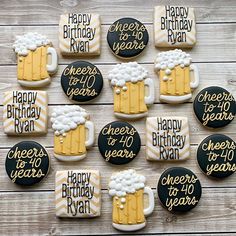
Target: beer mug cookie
x,y
127,189
129,82
178,77
73,132
33,64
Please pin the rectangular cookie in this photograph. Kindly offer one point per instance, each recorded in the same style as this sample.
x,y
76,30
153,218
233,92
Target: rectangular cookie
x,y
174,26
25,112
80,34
167,138
78,193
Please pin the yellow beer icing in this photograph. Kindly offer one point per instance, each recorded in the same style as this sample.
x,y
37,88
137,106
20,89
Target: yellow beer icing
x,y
33,66
132,211
72,144
178,82
130,101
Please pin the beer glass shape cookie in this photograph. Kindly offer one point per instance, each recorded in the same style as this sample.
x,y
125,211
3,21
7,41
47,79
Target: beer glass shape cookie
x,y
127,189
80,34
73,132
178,77
78,193
174,26
129,82
25,112
33,64
167,138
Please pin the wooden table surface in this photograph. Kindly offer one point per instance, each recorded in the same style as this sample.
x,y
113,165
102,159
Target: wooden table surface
x,y
30,211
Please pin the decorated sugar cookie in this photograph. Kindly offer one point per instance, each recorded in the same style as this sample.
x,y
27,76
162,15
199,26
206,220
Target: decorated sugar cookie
x,y
25,112
119,142
81,81
216,156
78,193
127,38
128,81
73,132
127,189
214,107
33,64
80,34
167,138
27,163
174,26
179,189
177,76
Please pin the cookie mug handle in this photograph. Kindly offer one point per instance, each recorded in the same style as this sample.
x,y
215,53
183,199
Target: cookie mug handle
x,y
90,127
51,68
194,84
151,97
147,211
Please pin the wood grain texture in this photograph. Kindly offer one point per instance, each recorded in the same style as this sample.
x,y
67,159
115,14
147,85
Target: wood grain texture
x,y
39,207
45,12
220,74
30,211
210,47
152,170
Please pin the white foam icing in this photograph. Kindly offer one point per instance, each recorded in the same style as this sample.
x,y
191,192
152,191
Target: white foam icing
x,y
127,181
30,41
126,72
168,60
66,118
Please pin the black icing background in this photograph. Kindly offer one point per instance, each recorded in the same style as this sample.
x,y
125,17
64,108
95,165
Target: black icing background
x,y
127,144
11,164
208,160
135,37
192,192
225,108
82,87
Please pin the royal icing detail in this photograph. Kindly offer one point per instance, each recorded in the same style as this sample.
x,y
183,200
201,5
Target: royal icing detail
x,y
127,189
128,81
25,112
174,26
78,193
80,34
27,163
119,142
167,138
32,51
216,156
70,124
127,37
179,189
177,76
214,107
81,81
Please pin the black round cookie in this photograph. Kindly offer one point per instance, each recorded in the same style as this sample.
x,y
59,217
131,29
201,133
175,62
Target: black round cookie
x,y
127,37
119,142
81,81
27,163
216,156
214,107
179,189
